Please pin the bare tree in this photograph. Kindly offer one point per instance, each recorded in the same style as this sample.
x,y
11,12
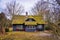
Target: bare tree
x,y
58,1
55,11
48,10
51,12
41,8
14,8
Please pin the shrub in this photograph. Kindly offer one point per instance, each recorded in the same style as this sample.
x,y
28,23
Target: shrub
x,y
47,27
6,30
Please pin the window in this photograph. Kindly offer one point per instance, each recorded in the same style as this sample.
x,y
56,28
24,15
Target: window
x,y
39,26
30,27
19,26
30,19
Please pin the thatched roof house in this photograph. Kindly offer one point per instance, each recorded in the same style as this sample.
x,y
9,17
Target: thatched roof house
x,y
28,23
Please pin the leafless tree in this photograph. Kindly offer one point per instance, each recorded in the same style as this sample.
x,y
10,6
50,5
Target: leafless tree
x,y
41,8
51,12
13,8
58,1
48,10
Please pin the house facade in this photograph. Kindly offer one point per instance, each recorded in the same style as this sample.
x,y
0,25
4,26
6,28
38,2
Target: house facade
x,y
28,23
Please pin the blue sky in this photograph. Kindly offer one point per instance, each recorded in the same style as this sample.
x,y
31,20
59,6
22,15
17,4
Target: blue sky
x,y
26,3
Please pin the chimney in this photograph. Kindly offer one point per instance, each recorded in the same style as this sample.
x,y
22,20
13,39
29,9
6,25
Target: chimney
x,y
26,14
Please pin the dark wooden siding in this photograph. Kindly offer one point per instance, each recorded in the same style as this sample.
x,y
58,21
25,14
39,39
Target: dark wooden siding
x,y
39,27
17,27
30,29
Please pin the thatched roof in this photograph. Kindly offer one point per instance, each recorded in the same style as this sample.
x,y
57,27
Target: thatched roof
x,y
19,19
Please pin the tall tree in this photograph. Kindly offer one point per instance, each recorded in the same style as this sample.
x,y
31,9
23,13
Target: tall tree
x,y
48,10
40,8
58,1
13,8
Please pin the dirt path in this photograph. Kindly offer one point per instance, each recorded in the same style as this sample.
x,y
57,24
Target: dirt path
x,y
28,36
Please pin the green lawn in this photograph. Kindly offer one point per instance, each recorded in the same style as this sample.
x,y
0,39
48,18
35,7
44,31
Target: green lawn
x,y
25,36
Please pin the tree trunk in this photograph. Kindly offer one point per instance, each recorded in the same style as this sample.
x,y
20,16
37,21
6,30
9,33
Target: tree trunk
x,y
2,30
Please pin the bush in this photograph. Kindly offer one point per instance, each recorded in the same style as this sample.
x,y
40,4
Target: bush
x,y
6,30
47,28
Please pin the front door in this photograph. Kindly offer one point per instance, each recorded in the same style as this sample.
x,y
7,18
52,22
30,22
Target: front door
x,y
30,28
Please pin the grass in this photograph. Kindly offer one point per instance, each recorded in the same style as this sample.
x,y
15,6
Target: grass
x,y
25,36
